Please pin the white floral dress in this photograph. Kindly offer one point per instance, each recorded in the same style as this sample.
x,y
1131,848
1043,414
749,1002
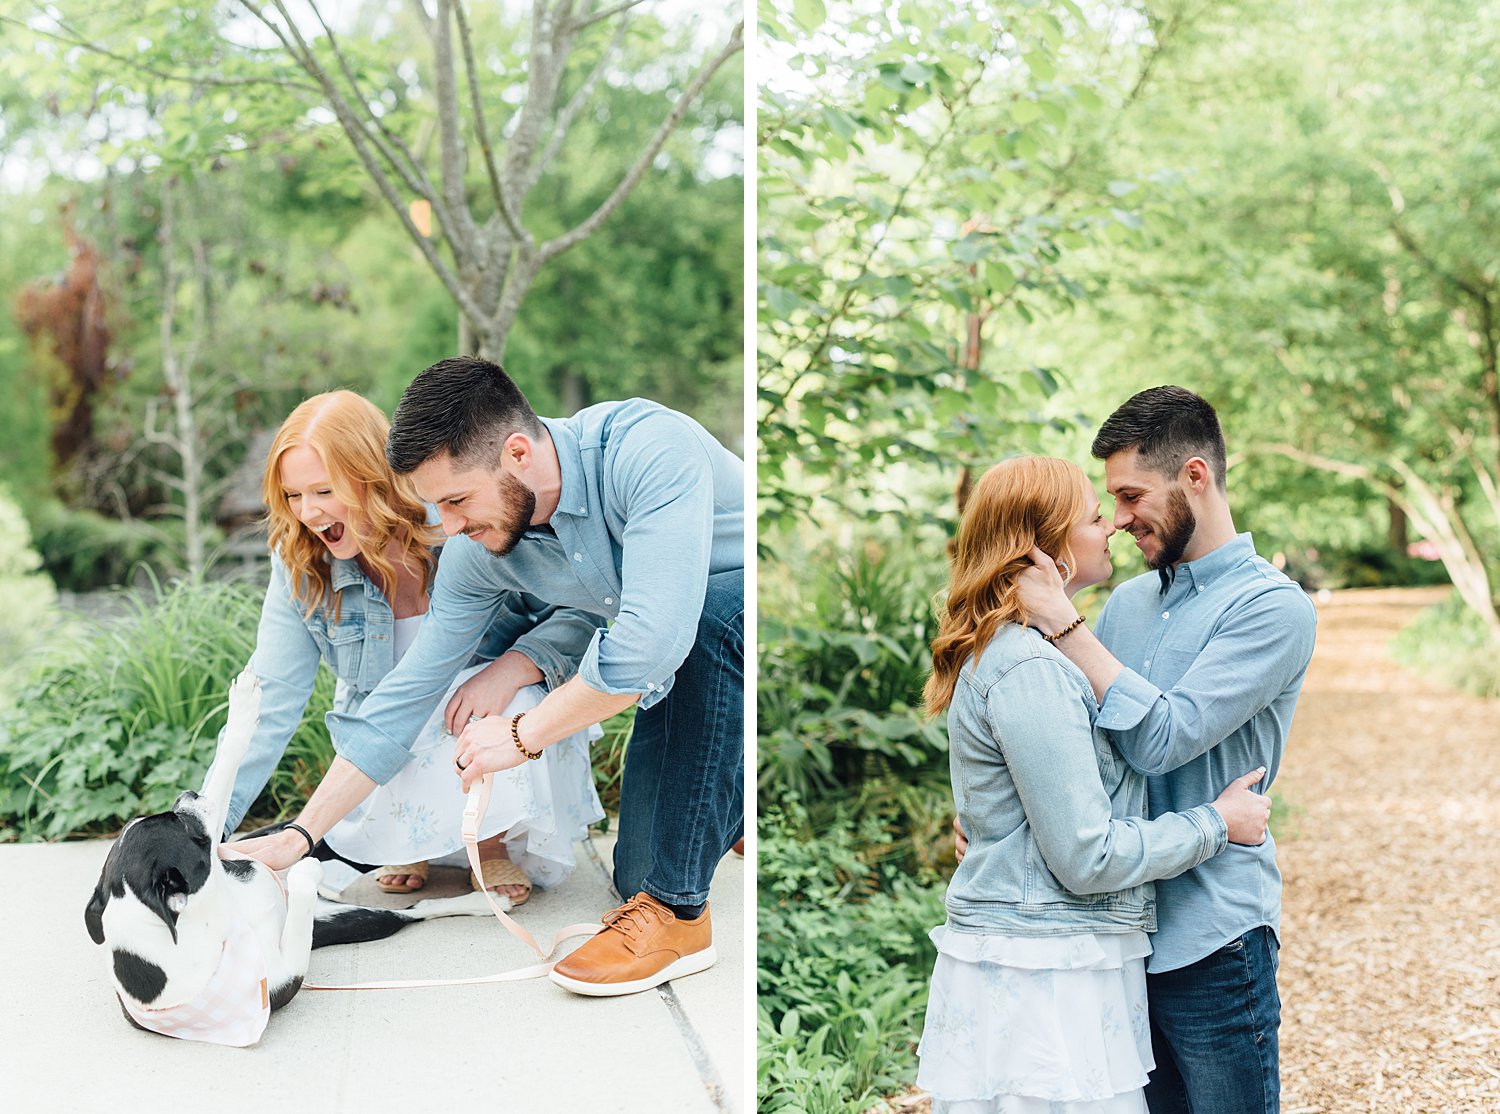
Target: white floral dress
x,y
545,807
1037,1025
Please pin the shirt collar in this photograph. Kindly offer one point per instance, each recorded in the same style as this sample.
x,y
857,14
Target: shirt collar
x,y
572,498
1216,563
345,572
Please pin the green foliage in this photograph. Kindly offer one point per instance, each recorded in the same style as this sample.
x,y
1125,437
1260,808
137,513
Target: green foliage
x,y
843,658
1451,645
83,550
917,210
28,600
122,716
842,965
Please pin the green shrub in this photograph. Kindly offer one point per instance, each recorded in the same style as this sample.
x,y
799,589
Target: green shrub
x,y
122,716
83,550
842,964
1451,644
28,601
843,658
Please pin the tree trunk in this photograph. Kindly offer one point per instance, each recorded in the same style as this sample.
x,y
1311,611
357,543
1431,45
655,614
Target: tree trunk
x,y
573,390
1397,536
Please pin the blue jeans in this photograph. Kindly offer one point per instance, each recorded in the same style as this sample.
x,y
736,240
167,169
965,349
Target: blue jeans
x,y
682,797
1213,1031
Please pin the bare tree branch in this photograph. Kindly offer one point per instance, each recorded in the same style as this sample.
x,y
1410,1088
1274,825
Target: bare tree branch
x,y
410,170
450,135
482,131
423,16
357,137
545,63
607,13
166,75
564,121
591,224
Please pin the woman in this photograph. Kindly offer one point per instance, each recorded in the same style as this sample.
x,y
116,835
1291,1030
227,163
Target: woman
x,y
1039,993
352,563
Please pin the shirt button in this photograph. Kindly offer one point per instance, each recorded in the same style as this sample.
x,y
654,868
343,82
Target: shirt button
x,y
1200,587
578,556
609,599
1148,663
1166,614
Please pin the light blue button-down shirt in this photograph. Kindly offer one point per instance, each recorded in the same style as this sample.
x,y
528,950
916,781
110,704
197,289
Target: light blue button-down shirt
x,y
650,506
1212,673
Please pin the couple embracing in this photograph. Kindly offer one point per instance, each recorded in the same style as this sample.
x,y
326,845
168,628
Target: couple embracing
x,y
1117,903
590,564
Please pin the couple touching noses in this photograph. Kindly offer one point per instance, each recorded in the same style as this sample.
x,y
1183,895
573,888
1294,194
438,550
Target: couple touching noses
x,y
590,564
1111,941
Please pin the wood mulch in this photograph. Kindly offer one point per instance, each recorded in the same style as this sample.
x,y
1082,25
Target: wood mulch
x,y
1390,960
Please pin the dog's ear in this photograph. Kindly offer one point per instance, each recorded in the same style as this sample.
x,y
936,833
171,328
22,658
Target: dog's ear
x,y
168,882
93,914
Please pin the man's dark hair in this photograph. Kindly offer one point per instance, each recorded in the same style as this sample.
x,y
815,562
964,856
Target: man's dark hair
x,y
463,406
1168,426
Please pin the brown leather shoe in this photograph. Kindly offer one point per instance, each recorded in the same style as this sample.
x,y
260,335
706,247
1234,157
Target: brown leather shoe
x,y
643,945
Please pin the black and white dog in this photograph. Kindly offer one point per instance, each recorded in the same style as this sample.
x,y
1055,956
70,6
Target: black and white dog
x,y
205,948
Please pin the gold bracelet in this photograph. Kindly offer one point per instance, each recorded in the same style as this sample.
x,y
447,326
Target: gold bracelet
x,y
1069,629
515,735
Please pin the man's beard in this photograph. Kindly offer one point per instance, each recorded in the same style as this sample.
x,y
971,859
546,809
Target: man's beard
x,y
522,501
1174,533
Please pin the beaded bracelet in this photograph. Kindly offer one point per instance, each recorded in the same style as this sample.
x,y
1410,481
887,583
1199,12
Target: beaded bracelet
x,y
1069,629
515,735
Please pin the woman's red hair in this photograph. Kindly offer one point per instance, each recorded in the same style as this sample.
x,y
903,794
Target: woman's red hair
x,y
1017,504
348,433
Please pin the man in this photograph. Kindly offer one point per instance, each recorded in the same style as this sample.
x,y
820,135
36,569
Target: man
x,y
627,510
1197,667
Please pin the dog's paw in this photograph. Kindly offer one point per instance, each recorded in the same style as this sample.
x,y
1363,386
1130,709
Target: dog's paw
x,y
304,877
244,701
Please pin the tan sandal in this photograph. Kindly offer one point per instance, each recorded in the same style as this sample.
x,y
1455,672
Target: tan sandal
x,y
503,872
418,869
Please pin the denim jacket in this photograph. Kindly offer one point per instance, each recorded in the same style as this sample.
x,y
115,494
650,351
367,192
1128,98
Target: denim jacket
x,y
1057,839
358,647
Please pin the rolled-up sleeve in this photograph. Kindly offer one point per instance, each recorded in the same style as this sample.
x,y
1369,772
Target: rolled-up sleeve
x,y
663,478
1259,648
378,738
552,638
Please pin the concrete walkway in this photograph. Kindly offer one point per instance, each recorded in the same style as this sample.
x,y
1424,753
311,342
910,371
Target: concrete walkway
x,y
529,1046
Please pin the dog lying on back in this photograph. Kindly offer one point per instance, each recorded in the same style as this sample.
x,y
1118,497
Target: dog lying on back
x,y
203,947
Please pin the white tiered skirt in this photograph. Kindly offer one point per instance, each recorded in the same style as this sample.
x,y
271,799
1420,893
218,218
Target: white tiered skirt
x,y
1037,1025
544,807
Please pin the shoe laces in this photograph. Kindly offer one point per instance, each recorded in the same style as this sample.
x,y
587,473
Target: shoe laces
x,y
634,917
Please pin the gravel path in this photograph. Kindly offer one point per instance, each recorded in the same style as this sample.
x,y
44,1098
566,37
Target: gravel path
x,y
1390,963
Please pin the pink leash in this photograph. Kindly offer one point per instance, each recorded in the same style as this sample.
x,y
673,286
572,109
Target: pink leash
x,y
479,801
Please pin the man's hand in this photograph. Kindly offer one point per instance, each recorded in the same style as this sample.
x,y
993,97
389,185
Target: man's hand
x,y
485,747
960,841
490,691
1048,608
278,850
1246,813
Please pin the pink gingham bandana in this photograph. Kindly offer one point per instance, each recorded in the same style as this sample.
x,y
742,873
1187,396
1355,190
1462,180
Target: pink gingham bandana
x,y
232,1009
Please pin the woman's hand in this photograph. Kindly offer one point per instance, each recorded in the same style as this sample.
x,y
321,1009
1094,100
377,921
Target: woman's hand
x,y
960,841
485,747
1246,813
1043,594
490,691
278,850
